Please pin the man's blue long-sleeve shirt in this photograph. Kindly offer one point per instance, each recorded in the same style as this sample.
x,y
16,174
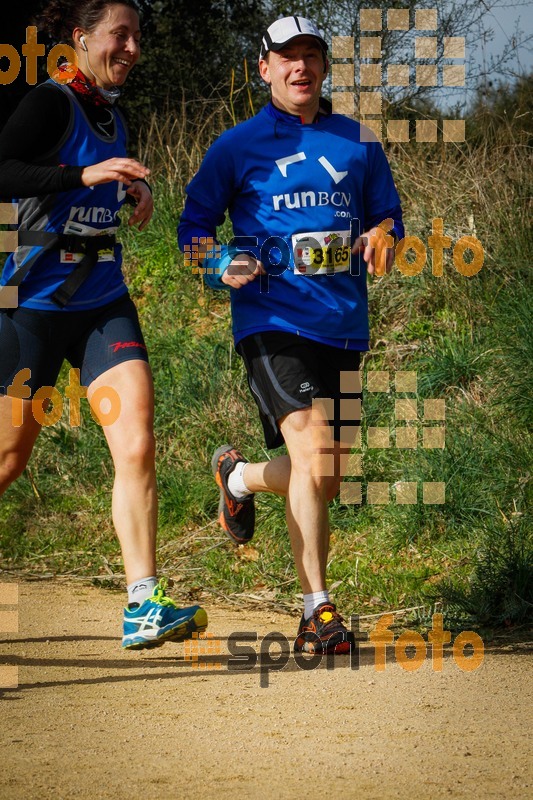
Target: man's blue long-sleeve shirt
x,y
297,194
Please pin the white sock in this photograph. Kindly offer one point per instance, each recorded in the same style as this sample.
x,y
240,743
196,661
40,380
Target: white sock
x,y
141,590
236,483
311,601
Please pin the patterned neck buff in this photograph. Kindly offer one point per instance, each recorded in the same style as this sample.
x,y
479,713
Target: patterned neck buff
x,y
87,88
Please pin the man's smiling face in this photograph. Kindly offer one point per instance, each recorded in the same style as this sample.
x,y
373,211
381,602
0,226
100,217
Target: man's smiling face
x,y
296,74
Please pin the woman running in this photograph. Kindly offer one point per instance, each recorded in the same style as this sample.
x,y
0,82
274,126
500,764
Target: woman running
x,y
63,158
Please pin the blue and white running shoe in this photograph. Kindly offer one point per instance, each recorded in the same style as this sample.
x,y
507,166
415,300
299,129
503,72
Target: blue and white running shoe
x,y
159,620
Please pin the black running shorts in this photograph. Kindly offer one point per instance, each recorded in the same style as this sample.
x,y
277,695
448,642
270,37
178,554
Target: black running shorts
x,y
92,341
286,371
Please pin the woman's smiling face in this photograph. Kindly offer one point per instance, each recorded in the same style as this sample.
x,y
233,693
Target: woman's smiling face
x,y
112,47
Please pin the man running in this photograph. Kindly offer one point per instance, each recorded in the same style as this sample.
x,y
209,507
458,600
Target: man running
x,y
302,185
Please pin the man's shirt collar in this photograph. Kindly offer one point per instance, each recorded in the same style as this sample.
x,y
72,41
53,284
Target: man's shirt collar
x,y
324,110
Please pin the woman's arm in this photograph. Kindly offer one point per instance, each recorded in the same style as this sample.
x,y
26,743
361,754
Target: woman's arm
x,y
34,129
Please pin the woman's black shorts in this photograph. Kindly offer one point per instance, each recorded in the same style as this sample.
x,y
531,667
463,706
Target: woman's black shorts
x,y
92,341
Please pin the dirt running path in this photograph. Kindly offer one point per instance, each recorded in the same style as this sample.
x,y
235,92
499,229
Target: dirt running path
x,y
90,721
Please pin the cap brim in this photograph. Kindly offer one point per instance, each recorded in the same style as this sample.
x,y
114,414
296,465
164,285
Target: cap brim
x,y
276,46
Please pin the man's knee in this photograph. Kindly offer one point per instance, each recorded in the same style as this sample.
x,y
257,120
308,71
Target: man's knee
x,y
306,433
319,471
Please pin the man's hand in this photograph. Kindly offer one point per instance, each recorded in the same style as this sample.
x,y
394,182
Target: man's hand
x,y
378,248
243,269
145,204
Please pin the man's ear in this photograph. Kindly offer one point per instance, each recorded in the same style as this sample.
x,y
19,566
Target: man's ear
x,y
264,71
326,65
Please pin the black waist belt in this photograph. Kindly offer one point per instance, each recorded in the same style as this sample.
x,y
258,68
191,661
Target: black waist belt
x,y
87,246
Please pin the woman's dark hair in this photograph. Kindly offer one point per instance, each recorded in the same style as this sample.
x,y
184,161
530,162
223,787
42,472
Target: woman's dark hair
x,y
60,17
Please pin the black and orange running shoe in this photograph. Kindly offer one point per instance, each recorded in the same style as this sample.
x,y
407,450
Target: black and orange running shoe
x,y
324,632
237,517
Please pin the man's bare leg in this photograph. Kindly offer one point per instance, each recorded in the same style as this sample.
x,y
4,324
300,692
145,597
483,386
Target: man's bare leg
x,y
306,494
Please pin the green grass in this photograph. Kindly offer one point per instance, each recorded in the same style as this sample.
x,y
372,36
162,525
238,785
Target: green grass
x,y
500,589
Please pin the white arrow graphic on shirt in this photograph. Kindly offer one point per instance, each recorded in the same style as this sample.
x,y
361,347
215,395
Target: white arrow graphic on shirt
x,y
337,176
283,163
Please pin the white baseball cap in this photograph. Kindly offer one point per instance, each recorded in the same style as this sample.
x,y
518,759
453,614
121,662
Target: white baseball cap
x,y
284,30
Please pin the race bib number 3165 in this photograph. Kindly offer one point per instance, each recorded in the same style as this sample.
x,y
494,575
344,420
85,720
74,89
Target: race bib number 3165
x,y
321,252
